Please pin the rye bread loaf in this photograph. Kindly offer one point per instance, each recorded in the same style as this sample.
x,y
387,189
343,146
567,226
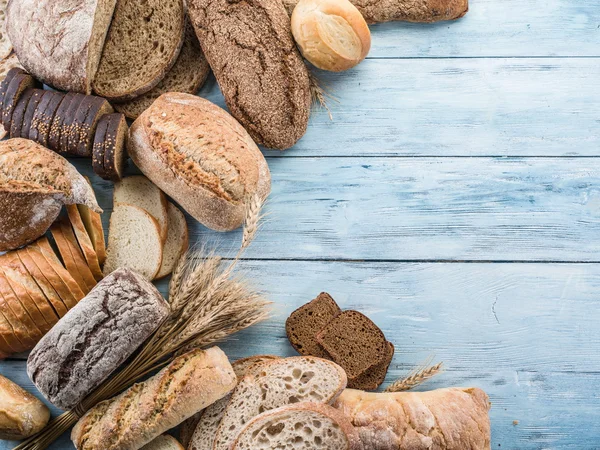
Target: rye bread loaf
x,y
190,383
68,122
44,116
404,10
143,43
213,177
187,75
115,145
19,114
96,337
443,419
264,80
99,107
34,101
19,83
60,42
57,122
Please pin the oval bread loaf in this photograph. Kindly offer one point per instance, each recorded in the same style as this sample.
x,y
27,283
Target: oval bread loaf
x,y
21,414
201,157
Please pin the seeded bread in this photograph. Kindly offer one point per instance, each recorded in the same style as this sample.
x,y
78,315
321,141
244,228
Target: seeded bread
x,y
190,383
276,384
96,337
115,145
98,108
83,239
34,101
164,442
134,241
19,114
19,83
187,75
8,76
68,124
98,149
142,45
375,376
211,178
264,80
177,240
57,122
305,426
44,116
306,322
60,42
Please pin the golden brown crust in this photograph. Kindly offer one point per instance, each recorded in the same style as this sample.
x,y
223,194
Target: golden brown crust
x,y
68,259
21,414
83,239
82,266
25,331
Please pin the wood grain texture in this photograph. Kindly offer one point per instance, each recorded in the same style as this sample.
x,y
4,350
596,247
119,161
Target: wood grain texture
x,y
455,107
525,333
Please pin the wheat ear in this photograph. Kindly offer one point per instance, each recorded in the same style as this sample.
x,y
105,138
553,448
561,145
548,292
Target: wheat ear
x,y
415,378
320,94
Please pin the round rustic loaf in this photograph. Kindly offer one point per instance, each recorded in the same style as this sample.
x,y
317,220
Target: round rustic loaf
x,y
200,156
331,34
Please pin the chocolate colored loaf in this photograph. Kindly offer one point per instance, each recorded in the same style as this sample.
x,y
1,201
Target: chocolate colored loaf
x,y
96,337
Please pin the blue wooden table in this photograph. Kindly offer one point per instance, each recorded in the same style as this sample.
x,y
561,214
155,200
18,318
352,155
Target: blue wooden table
x,y
455,199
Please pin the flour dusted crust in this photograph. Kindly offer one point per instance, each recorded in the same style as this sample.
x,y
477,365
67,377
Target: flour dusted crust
x,y
443,419
250,48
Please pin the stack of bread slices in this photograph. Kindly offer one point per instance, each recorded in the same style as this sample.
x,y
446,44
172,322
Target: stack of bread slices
x,y
41,282
147,233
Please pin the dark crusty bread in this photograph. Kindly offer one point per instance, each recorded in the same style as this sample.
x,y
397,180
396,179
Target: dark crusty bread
x,y
375,376
44,115
404,10
16,87
143,43
76,129
96,337
264,80
304,324
34,101
98,108
98,148
19,114
187,75
354,342
68,122
6,81
114,146
57,122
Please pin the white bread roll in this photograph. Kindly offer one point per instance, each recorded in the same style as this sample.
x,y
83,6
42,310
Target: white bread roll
x,y
331,34
21,414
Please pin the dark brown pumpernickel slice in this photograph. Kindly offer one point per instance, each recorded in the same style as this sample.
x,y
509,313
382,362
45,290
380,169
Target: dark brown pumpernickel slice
x,y
375,376
19,84
17,119
76,130
33,130
57,122
114,146
43,117
7,79
34,101
98,108
306,322
98,148
354,342
67,124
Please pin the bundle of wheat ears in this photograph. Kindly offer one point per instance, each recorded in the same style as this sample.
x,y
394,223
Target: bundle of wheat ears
x,y
208,303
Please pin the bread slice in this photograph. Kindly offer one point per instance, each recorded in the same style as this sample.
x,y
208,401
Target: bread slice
x,y
68,122
12,344
198,432
93,226
276,384
304,323
67,257
83,239
164,442
15,327
140,191
187,75
84,270
8,76
34,101
77,129
305,426
43,117
98,149
134,241
25,330
19,114
375,376
98,108
143,43
57,122
117,132
177,240
354,342
16,87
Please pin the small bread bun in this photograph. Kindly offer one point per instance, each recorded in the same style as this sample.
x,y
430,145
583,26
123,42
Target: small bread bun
x,y
331,34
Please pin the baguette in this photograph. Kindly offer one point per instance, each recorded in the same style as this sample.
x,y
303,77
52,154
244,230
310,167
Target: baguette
x,y
443,419
21,414
190,383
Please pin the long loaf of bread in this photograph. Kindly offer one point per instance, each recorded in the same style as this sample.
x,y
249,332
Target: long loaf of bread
x,y
129,421
404,10
443,419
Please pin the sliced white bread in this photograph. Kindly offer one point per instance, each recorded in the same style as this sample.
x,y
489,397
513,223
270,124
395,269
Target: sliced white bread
x,y
303,426
164,442
177,240
84,241
207,422
134,241
140,191
279,383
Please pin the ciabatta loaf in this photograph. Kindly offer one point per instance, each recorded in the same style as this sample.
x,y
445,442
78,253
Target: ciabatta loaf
x,y
129,421
212,176
444,419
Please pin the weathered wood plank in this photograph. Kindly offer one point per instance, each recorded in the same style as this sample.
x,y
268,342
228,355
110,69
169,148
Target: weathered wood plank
x,y
525,333
456,107
423,209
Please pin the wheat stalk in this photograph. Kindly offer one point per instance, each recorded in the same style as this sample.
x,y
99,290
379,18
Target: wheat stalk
x,y
415,378
320,94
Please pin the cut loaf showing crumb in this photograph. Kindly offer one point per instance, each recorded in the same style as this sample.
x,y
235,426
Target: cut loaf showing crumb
x,y
114,146
354,342
305,426
177,240
134,241
279,383
140,191
164,442
143,43
306,322
375,376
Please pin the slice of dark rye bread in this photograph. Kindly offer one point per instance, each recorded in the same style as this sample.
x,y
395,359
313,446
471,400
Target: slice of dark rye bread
x,y
98,148
57,122
306,322
77,124
99,107
143,43
375,376
34,101
44,115
17,120
6,81
187,75
354,342
67,123
15,89
115,142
